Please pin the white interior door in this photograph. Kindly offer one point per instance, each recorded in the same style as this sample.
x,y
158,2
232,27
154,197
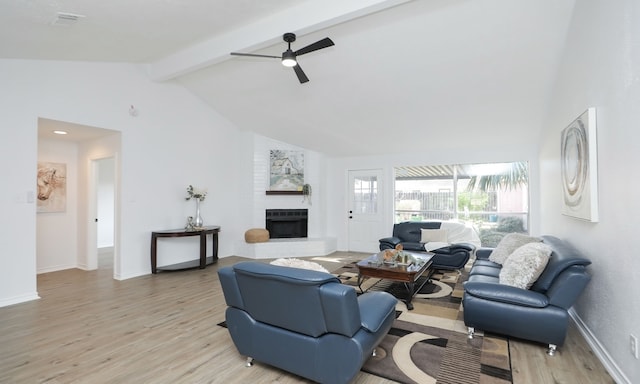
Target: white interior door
x,y
365,210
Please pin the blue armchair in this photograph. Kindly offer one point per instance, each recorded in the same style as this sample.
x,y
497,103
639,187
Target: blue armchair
x,y
304,322
538,314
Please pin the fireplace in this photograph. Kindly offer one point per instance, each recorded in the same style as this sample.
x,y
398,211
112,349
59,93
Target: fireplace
x,y
286,223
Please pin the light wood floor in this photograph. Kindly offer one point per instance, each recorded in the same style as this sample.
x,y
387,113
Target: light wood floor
x,y
89,328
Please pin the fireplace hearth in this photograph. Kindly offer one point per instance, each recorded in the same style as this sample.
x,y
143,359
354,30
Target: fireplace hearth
x,y
286,223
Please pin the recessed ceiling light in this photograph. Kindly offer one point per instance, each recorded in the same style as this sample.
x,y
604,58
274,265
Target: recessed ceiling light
x,y
60,132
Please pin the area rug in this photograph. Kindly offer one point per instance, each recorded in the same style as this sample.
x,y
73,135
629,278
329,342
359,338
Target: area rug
x,y
414,353
429,344
417,354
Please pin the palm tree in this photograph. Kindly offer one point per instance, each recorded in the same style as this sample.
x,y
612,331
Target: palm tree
x,y
516,174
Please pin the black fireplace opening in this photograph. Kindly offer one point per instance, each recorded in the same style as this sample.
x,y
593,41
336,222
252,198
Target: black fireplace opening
x,y
286,223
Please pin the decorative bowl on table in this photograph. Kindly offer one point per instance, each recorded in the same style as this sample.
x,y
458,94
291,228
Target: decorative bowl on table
x,y
394,257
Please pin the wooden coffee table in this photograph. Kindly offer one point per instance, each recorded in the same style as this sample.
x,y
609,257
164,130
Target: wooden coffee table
x,y
407,274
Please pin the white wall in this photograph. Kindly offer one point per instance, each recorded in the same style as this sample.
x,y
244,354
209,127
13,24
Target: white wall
x,y
601,68
57,231
176,140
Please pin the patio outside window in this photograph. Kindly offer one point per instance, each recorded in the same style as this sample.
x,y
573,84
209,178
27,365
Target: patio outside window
x,y
494,197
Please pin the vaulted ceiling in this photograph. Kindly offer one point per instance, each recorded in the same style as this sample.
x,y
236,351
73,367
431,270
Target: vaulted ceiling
x,y
403,75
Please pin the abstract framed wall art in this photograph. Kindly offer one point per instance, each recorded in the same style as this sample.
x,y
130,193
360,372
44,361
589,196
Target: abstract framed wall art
x,y
52,187
287,170
579,164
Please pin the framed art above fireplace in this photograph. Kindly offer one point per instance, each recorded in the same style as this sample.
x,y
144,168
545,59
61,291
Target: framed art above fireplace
x,y
286,170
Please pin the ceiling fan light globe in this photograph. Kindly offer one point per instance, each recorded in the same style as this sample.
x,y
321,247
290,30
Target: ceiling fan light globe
x,y
289,59
289,62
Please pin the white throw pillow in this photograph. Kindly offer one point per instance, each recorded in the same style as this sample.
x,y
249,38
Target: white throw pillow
x,y
523,267
439,235
510,243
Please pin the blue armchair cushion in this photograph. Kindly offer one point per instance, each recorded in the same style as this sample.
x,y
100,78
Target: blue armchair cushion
x,y
506,294
372,315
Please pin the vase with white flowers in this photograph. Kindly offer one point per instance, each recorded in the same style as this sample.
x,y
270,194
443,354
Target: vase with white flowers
x,y
198,195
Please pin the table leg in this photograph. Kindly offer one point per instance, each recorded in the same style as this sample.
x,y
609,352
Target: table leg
x,y
360,278
154,260
203,250
410,290
214,239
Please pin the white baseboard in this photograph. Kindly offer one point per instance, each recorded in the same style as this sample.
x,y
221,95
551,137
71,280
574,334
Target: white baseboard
x,y
108,249
19,299
599,350
55,268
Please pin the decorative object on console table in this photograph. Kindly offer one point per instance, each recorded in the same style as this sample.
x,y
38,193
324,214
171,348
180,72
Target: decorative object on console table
x,y
198,222
190,227
579,164
198,195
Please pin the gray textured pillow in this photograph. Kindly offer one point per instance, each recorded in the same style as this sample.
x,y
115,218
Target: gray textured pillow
x,y
510,243
523,267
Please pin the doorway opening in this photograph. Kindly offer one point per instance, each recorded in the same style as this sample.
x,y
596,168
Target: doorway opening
x,y
69,238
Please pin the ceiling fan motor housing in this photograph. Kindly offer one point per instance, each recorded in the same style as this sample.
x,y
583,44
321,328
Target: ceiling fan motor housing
x,y
289,37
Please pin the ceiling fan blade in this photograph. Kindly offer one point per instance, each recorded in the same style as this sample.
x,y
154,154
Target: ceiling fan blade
x,y
254,55
300,73
324,43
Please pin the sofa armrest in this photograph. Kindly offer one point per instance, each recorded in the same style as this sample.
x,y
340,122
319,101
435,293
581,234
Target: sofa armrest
x,y
453,248
389,242
505,294
375,308
466,246
483,253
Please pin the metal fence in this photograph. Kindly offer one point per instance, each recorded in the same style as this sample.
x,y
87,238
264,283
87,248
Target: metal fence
x,y
441,206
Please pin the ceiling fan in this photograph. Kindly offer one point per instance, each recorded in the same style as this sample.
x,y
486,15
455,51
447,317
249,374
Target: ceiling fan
x,y
289,57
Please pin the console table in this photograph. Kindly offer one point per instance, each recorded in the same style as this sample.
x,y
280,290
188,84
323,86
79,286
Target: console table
x,y
202,262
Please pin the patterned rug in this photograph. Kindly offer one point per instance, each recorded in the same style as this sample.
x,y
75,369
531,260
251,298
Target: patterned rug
x,y
429,343
414,353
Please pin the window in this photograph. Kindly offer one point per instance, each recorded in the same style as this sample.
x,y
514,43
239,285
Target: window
x,y
365,195
494,197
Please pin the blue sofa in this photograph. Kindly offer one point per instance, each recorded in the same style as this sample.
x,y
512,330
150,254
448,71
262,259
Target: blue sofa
x,y
409,233
538,314
304,322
